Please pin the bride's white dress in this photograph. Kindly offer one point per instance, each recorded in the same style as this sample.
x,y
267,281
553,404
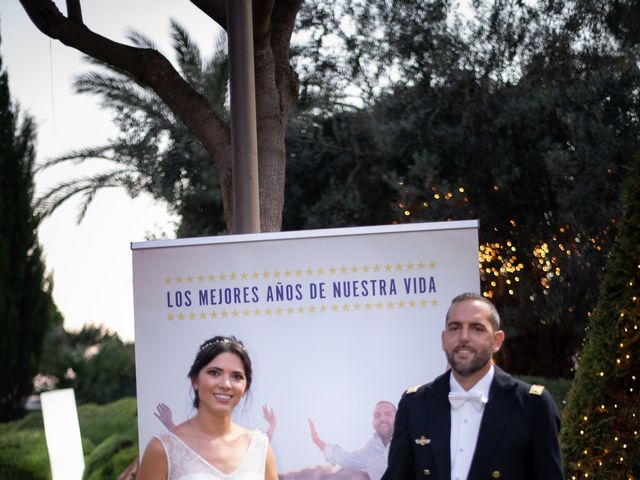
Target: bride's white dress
x,y
186,464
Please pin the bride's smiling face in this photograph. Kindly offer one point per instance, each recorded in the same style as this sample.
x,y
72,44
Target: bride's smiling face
x,y
221,383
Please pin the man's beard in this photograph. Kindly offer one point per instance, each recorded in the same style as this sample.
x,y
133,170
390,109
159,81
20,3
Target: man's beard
x,y
468,368
384,431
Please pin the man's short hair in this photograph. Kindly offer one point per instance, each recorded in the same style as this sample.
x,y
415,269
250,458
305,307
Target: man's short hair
x,y
494,316
386,402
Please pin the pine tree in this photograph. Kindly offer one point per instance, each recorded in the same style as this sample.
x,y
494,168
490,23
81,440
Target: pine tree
x,y
26,307
602,418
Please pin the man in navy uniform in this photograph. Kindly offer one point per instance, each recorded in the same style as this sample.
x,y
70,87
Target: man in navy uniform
x,y
475,421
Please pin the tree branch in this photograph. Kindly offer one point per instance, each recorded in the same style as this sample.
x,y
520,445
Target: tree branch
x,y
74,10
147,66
215,9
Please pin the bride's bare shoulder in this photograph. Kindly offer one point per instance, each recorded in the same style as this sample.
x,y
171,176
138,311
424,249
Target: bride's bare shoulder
x,y
154,462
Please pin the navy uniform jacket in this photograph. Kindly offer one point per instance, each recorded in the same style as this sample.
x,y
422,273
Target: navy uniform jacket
x,y
518,437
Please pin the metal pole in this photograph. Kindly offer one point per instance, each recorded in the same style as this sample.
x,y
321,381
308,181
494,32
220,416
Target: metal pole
x,y
244,138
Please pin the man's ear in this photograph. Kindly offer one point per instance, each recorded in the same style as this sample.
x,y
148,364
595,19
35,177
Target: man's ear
x,y
498,338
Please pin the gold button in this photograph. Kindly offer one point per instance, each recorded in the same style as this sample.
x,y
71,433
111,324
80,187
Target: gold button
x,y
495,474
426,471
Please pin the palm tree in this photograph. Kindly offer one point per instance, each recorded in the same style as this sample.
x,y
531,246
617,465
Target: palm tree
x,y
154,152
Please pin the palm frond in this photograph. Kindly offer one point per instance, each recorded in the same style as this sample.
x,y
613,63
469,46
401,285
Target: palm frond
x,y
216,83
220,46
141,40
216,76
85,186
77,156
123,94
110,86
188,53
100,64
96,62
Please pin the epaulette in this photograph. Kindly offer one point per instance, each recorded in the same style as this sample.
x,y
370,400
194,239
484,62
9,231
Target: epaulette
x,y
536,390
413,389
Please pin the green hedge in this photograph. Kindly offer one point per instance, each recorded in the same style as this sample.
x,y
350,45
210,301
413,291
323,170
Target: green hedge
x,y
109,440
23,450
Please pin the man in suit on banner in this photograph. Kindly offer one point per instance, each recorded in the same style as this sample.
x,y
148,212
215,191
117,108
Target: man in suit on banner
x,y
475,421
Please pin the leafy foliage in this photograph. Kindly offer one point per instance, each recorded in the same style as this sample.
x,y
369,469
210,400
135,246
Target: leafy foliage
x,y
526,123
95,363
26,306
336,175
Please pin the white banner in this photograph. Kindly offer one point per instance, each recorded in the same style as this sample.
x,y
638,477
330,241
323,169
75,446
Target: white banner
x,y
334,321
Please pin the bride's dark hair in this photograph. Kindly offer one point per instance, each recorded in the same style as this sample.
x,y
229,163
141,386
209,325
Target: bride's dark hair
x,y
211,349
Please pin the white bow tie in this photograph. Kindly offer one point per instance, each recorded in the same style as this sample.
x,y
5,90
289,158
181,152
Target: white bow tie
x,y
457,400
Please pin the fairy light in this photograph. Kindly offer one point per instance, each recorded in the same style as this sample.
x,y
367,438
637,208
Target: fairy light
x,y
615,413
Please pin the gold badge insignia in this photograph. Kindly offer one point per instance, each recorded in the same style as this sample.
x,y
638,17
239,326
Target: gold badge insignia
x,y
426,472
536,389
496,473
413,389
422,441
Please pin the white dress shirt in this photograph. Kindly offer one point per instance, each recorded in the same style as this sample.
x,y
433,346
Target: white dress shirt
x,y
465,425
372,458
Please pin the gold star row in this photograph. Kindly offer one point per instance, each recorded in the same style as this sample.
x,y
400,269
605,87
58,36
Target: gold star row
x,y
301,273
301,310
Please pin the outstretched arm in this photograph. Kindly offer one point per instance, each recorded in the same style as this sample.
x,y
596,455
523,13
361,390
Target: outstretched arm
x,y
359,459
270,417
314,436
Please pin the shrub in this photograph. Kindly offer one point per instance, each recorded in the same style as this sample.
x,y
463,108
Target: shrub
x,y
23,449
109,441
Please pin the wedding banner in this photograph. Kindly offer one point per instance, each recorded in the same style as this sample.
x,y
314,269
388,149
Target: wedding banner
x,y
334,321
